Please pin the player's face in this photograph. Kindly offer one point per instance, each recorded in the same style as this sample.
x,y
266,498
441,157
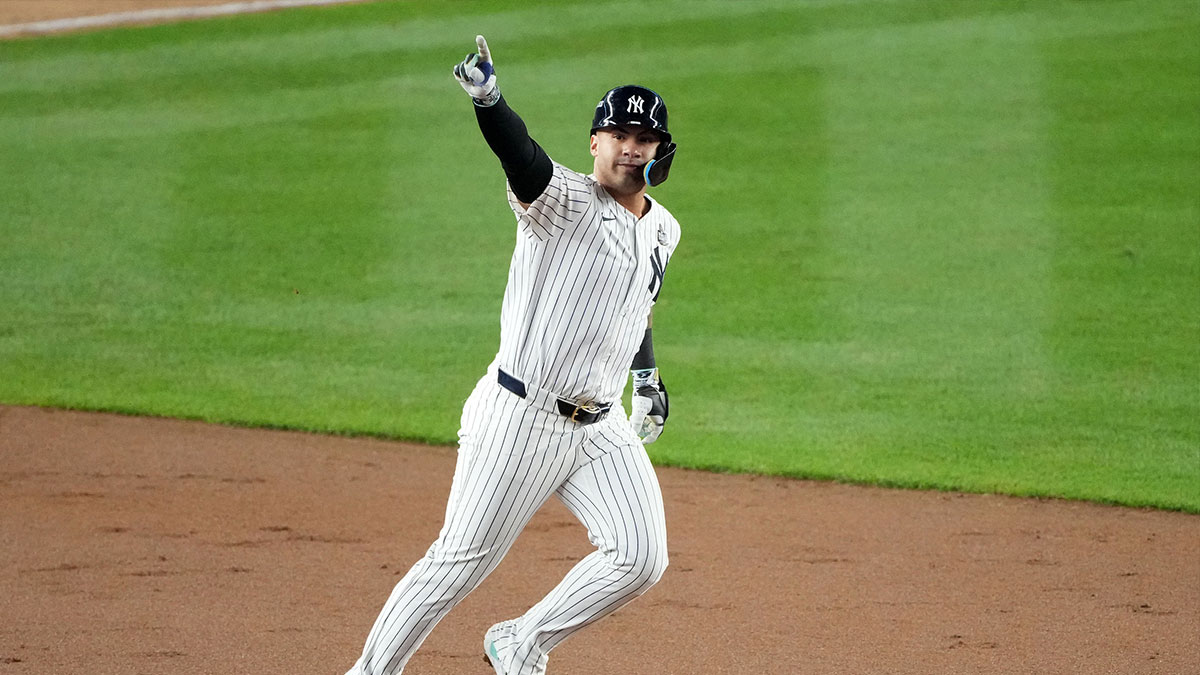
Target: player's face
x,y
621,153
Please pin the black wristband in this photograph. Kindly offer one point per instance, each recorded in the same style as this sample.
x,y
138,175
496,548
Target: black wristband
x,y
527,166
644,358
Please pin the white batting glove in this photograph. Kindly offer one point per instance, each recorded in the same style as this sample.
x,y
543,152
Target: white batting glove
x,y
477,76
649,411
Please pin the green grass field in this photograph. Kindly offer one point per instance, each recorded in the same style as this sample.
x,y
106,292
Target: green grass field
x,y
927,244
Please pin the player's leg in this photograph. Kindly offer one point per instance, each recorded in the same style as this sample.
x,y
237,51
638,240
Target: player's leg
x,y
617,497
510,462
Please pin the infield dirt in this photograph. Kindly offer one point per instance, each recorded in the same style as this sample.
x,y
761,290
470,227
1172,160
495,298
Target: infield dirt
x,y
136,545
139,545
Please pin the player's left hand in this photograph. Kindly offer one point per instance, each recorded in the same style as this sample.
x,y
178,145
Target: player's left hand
x,y
477,75
650,405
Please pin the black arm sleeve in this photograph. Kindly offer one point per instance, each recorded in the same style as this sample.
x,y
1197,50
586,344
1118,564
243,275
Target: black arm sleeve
x,y
644,358
527,166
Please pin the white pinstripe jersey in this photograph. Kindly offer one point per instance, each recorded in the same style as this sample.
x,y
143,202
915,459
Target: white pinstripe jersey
x,y
584,274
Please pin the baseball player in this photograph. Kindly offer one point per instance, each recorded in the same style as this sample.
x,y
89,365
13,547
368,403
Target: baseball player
x,y
547,419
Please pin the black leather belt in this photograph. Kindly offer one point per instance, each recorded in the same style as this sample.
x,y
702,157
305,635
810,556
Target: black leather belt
x,y
580,414
583,414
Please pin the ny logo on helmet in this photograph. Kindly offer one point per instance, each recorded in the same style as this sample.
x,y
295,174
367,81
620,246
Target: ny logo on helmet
x,y
635,105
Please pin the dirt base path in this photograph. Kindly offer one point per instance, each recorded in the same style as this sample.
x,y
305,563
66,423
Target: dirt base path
x,y
27,11
136,545
29,18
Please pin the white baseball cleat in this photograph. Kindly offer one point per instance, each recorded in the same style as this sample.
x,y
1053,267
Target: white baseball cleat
x,y
492,641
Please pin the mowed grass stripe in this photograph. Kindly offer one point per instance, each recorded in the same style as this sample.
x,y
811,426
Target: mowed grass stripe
x,y
898,230
937,189
1126,317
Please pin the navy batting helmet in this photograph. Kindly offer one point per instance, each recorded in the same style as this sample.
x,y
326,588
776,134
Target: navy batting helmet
x,y
631,105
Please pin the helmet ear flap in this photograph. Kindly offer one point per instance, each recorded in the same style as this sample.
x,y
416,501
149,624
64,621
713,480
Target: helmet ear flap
x,y
657,169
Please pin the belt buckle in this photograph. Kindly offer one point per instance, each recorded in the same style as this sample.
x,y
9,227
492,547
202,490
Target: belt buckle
x,y
590,408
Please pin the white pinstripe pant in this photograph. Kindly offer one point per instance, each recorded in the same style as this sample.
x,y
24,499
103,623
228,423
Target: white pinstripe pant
x,y
512,457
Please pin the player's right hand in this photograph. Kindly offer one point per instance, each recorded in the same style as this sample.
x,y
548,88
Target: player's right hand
x,y
477,76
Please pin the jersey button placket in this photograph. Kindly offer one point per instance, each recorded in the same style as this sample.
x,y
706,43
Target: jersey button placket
x,y
625,226
631,296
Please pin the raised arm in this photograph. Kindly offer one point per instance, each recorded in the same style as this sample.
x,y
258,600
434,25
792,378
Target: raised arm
x,y
524,162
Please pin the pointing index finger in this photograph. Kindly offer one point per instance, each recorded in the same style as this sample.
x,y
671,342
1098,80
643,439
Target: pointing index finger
x,y
481,44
